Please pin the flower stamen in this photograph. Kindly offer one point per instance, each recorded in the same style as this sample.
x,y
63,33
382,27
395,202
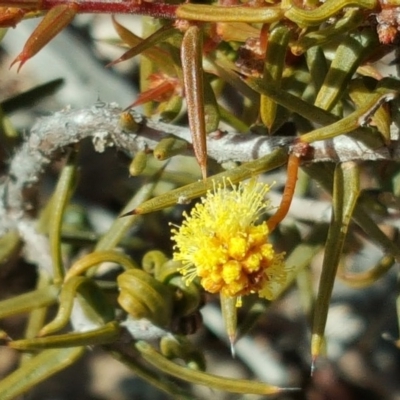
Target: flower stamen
x,y
223,243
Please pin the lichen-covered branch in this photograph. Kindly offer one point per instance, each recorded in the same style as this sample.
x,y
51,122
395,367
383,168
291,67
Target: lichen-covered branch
x,y
50,136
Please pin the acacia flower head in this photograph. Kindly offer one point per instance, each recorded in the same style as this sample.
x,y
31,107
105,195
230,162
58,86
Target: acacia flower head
x,y
224,243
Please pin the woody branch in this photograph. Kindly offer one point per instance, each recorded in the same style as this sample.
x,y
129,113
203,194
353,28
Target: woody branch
x,y
51,135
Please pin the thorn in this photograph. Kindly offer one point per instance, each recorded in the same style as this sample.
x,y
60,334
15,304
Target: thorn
x,y
232,340
127,214
313,365
130,106
21,61
112,63
293,389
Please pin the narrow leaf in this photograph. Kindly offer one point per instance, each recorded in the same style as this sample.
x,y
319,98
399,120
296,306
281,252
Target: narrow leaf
x,y
191,55
346,189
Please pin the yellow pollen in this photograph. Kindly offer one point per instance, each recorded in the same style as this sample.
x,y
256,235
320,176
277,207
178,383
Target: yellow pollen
x,y
223,242
252,262
231,271
237,247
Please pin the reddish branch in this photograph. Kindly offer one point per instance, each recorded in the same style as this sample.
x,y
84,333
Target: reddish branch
x,y
156,10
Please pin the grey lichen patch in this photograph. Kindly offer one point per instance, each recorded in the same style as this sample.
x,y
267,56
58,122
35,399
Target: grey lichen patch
x,y
101,140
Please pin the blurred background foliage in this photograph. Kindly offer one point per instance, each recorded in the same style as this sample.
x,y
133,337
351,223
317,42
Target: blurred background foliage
x,y
299,71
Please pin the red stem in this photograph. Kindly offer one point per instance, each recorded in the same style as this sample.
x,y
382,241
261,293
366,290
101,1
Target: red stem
x,y
287,196
156,10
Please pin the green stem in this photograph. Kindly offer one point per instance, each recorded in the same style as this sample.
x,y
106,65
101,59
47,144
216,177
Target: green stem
x,y
59,202
202,378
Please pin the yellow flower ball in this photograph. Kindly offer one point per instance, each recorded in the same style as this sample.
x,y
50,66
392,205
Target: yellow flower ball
x,y
224,243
